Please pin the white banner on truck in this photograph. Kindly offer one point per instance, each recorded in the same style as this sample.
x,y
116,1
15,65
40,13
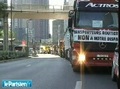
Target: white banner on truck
x,y
95,35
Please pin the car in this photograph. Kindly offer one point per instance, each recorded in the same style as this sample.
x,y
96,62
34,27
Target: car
x,y
115,66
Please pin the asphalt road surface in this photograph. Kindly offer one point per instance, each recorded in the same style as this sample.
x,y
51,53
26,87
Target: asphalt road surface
x,y
52,72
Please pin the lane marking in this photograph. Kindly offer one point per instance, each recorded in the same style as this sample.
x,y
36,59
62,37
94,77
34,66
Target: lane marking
x,y
78,85
28,65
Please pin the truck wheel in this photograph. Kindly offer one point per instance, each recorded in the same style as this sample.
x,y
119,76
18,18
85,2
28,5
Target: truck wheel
x,y
66,54
74,67
113,76
118,83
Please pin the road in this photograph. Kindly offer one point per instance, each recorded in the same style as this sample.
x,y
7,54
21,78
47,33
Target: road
x,y
52,72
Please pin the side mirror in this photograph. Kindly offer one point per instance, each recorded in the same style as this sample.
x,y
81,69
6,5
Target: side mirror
x,y
116,50
74,5
71,13
70,20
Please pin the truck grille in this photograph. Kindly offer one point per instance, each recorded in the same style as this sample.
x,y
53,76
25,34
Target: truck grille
x,y
95,47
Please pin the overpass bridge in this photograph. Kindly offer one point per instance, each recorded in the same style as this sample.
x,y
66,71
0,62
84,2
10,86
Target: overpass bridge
x,y
35,11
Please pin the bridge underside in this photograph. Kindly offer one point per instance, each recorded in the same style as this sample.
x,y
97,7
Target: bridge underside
x,y
39,15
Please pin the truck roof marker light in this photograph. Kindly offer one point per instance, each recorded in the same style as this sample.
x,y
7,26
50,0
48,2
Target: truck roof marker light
x,y
83,1
104,1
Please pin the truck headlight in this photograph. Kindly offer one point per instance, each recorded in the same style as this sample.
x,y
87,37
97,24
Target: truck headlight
x,y
81,58
74,57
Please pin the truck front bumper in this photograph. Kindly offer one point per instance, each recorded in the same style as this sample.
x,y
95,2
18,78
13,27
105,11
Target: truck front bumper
x,y
96,63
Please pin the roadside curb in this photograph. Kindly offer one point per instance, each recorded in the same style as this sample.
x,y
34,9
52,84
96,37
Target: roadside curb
x,y
9,60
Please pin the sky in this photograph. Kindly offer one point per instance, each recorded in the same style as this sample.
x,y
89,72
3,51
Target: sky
x,y
51,2
8,1
56,2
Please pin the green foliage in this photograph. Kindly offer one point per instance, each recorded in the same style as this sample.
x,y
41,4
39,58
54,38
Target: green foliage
x,y
9,34
3,8
11,55
1,33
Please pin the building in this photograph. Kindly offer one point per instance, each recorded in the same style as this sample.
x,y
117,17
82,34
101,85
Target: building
x,y
66,21
1,19
66,2
41,26
20,36
71,2
5,1
58,31
38,29
59,28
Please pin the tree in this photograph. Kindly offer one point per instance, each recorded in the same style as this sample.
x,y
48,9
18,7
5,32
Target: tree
x,y
3,12
4,15
1,33
9,34
3,8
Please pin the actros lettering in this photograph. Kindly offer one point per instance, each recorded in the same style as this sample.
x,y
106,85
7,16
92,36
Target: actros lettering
x,y
102,5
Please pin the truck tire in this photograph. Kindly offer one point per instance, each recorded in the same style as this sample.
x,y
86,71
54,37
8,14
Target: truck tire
x,y
118,83
70,55
75,68
113,76
66,54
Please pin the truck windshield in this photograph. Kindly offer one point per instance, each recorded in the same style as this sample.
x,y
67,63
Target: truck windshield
x,y
98,20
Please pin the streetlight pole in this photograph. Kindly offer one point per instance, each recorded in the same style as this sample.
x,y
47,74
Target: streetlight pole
x,y
58,34
58,39
27,37
5,20
11,28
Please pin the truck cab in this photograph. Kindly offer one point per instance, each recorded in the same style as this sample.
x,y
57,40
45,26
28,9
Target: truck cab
x,y
93,29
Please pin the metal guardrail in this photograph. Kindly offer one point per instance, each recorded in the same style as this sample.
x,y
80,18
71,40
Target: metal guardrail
x,y
35,7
